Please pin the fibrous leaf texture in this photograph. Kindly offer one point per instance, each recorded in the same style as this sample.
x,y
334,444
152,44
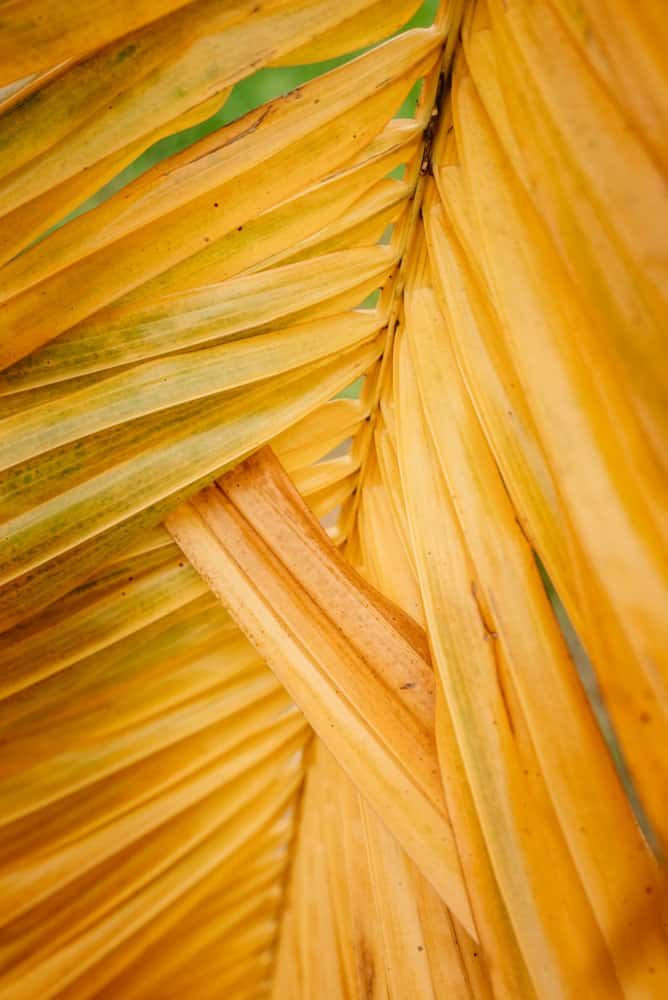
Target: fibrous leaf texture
x,y
333,563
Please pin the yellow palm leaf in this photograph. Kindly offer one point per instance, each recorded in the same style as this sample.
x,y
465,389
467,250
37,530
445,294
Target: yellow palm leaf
x,y
311,722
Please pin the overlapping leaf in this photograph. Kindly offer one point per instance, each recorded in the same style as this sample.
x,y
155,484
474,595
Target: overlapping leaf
x,y
96,115
214,305
367,691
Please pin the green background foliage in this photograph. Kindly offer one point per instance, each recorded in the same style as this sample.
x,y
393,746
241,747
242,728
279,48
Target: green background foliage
x,y
246,95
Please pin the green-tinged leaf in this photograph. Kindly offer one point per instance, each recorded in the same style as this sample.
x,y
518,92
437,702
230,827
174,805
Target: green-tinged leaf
x,y
278,150
96,496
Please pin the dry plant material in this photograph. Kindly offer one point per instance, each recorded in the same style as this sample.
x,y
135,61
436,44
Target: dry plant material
x,y
479,814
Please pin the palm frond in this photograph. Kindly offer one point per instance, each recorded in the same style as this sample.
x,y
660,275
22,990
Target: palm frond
x,y
489,273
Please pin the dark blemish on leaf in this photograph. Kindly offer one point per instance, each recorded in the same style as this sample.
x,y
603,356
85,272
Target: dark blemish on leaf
x,y
125,53
408,686
367,969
